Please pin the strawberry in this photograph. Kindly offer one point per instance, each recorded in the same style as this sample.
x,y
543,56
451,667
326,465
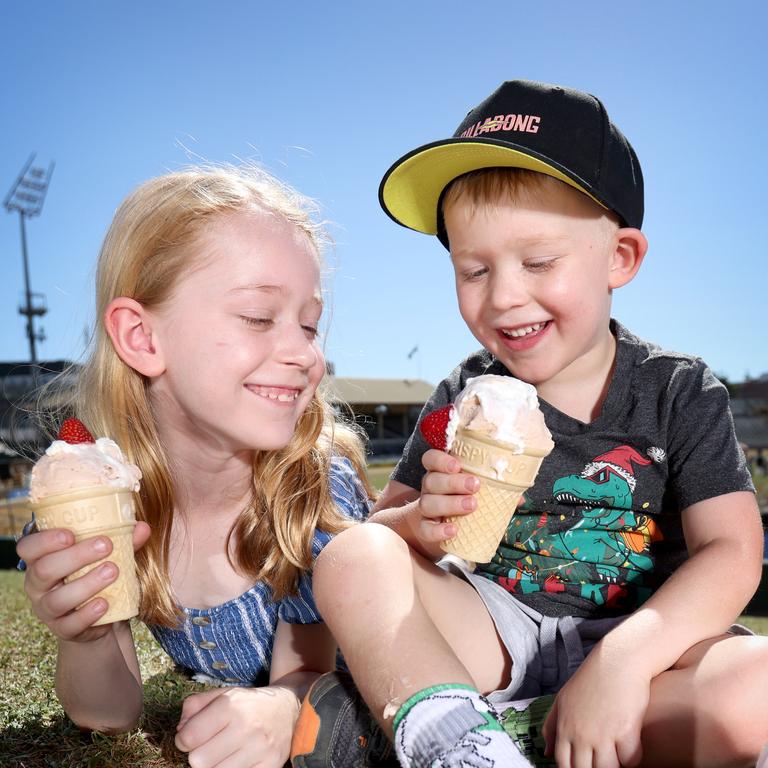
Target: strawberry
x,y
74,431
433,427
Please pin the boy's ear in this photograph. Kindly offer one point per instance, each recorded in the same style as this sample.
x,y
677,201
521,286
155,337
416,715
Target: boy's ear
x,y
628,255
129,325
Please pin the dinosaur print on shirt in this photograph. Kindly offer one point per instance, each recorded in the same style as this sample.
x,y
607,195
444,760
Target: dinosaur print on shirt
x,y
595,544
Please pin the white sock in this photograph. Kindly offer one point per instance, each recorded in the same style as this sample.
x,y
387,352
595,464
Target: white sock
x,y
762,761
451,726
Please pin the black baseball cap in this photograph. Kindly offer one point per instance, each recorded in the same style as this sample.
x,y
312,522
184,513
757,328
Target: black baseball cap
x,y
551,129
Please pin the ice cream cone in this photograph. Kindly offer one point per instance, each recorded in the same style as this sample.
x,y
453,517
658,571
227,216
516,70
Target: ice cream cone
x,y
504,474
99,511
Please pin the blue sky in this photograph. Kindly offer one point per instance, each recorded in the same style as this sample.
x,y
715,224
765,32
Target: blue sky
x,y
328,95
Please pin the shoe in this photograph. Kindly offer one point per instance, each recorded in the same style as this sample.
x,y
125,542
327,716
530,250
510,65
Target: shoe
x,y
523,721
335,729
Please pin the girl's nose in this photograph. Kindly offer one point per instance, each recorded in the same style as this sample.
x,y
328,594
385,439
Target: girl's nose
x,y
297,348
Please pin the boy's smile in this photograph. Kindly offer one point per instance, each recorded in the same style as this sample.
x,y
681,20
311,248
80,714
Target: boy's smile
x,y
525,336
534,281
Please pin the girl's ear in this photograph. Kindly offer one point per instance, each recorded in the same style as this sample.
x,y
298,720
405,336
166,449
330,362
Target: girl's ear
x,y
129,325
628,255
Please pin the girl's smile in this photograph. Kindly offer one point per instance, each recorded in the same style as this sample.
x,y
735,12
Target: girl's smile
x,y
238,336
279,395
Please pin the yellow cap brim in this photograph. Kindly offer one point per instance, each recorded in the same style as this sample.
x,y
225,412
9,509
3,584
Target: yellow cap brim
x,y
411,189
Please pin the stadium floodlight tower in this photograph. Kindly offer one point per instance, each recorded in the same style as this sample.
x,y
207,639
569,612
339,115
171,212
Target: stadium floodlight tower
x,y
27,196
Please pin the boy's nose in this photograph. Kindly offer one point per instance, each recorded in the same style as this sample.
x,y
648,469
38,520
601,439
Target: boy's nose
x,y
506,292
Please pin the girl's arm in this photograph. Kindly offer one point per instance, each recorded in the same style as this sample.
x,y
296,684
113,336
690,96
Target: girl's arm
x,y
97,673
300,653
258,722
98,681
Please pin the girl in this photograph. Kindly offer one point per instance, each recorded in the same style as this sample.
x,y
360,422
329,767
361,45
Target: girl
x,y
205,371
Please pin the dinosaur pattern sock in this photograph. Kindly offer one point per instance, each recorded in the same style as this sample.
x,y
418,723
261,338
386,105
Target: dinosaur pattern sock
x,y
452,726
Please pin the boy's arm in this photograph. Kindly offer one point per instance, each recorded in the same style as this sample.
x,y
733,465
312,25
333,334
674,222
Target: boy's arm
x,y
395,494
422,519
396,508
603,704
416,516
721,525
702,598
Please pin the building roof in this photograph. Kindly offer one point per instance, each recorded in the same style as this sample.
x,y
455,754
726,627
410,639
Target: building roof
x,y
754,389
24,389
378,391
753,432
749,404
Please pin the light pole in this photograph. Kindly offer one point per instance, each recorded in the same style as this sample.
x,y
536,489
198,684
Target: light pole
x,y
381,411
27,196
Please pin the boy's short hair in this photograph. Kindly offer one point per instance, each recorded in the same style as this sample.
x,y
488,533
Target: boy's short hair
x,y
489,186
558,131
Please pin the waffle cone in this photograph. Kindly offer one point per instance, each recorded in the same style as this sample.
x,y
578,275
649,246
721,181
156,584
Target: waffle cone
x,y
99,511
504,477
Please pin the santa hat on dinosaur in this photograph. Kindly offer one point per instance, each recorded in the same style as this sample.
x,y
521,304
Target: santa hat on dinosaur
x,y
620,461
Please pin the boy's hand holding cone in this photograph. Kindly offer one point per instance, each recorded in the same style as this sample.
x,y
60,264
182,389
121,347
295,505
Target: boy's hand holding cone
x,y
497,432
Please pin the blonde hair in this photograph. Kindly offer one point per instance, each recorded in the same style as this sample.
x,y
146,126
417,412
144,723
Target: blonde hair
x,y
487,187
144,253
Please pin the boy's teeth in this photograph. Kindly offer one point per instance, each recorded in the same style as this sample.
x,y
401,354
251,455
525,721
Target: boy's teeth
x,y
524,331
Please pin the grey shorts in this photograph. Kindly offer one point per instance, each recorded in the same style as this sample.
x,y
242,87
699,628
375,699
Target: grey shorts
x,y
545,650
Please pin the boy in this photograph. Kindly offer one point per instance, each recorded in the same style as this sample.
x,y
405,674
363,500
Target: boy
x,y
618,579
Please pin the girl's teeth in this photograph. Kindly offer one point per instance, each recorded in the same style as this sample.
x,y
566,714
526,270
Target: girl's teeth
x,y
518,332
283,397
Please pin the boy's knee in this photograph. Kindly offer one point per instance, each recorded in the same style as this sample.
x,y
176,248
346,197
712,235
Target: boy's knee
x,y
743,713
356,553
743,740
753,719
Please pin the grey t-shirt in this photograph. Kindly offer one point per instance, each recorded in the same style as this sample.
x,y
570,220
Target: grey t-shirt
x,y
600,529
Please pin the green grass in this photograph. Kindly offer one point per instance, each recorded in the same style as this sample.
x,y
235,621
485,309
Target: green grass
x,y
35,732
379,474
758,624
761,487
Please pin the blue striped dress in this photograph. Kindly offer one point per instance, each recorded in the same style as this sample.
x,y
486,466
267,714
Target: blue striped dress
x,y
231,644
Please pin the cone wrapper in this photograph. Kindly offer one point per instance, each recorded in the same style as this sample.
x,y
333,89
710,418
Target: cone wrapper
x,y
504,477
99,511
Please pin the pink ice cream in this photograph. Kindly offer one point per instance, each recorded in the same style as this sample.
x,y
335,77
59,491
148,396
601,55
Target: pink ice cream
x,y
67,467
503,409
